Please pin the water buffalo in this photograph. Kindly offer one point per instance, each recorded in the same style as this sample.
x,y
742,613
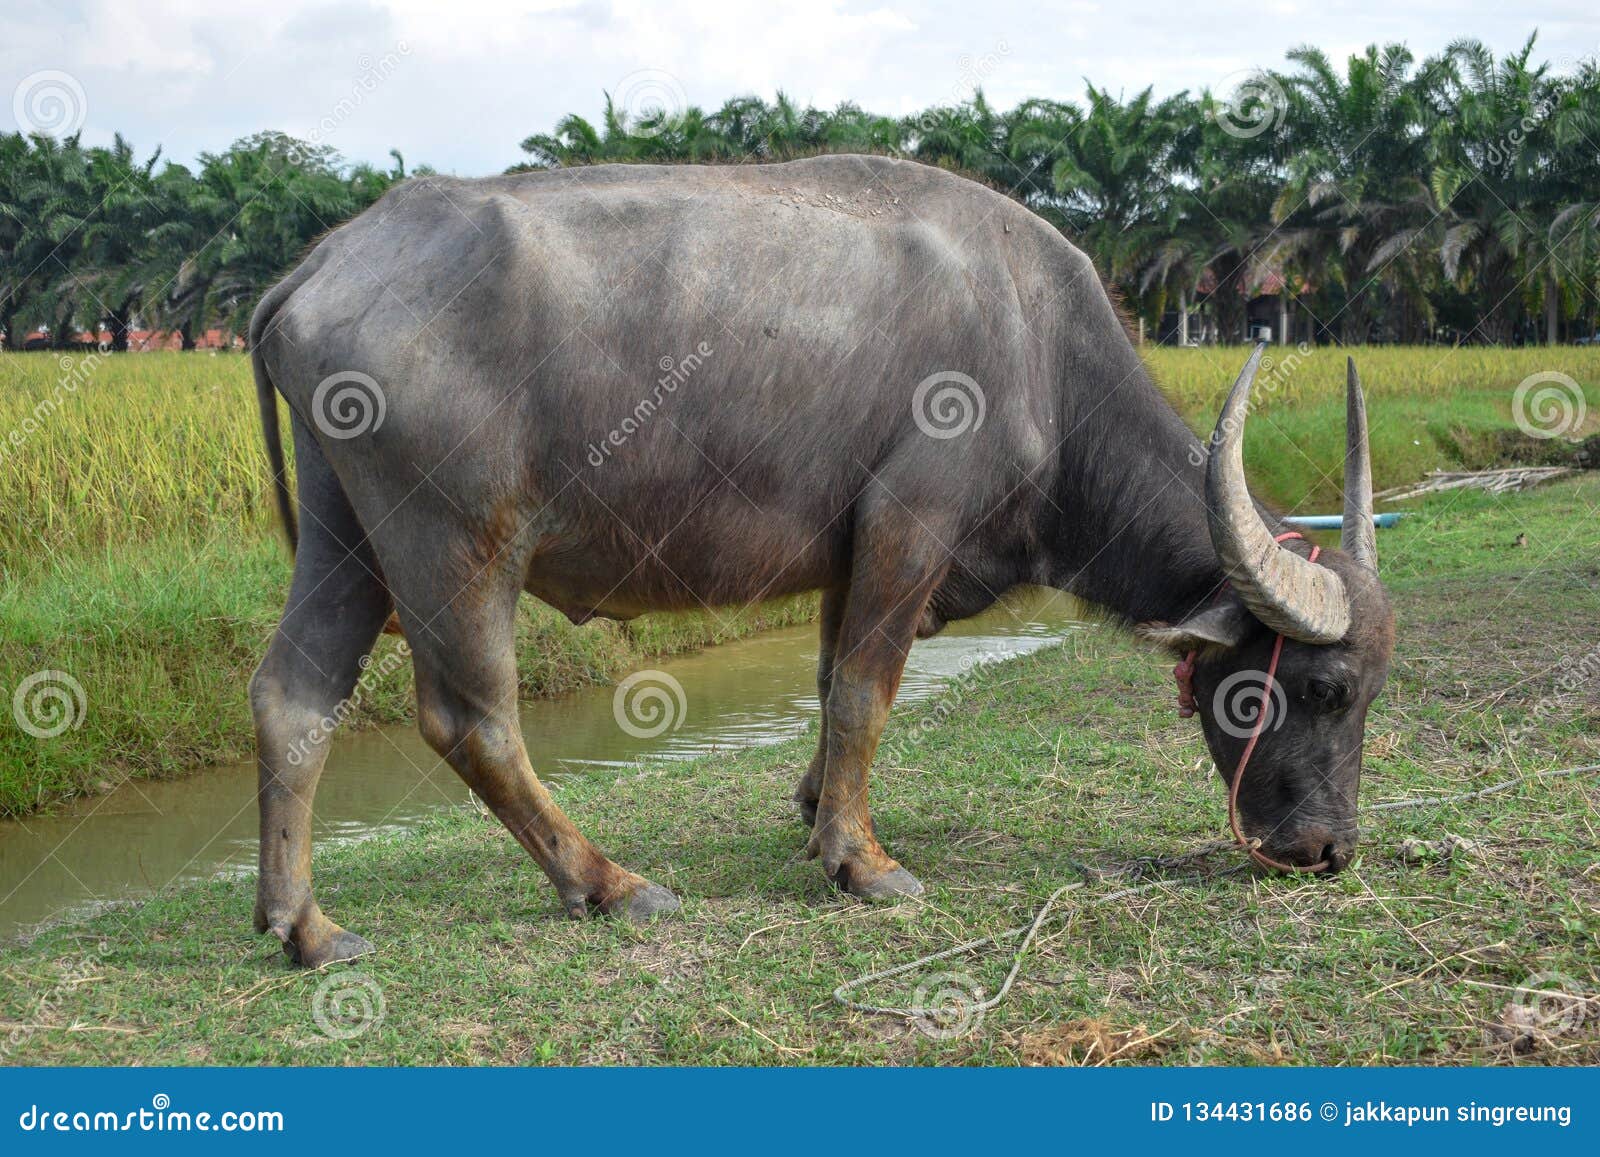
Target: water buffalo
x,y
631,388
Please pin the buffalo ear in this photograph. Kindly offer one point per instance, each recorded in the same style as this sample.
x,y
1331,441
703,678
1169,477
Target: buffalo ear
x,y
1225,625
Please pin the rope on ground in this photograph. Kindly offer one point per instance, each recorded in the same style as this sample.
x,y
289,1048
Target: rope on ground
x,y
1031,929
1505,785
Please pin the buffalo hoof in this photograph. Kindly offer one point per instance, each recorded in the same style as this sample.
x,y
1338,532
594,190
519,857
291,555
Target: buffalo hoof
x,y
332,948
645,903
883,887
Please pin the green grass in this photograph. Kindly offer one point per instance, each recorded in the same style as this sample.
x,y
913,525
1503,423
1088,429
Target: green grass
x,y
138,552
1045,770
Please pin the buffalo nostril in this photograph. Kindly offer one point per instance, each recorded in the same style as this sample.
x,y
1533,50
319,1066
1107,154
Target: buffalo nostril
x,y
1335,859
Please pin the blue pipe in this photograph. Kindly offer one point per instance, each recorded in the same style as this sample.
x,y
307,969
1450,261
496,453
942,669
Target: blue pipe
x,y
1335,521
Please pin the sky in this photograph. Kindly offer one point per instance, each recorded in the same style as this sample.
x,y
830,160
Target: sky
x,y
459,84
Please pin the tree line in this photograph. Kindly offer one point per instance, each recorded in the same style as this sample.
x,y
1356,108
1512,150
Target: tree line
x,y
1453,199
95,238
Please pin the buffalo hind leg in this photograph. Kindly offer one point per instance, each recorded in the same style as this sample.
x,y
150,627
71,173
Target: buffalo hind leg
x,y
335,611
894,572
809,790
467,710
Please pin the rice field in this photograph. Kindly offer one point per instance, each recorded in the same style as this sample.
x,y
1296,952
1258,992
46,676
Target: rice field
x,y
1428,408
100,451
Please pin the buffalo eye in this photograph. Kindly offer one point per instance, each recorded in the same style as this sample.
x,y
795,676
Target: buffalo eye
x,y
1324,695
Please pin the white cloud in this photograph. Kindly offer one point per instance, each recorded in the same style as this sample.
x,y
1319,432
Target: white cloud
x,y
482,74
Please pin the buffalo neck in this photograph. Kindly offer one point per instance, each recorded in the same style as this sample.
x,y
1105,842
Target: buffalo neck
x,y
1132,535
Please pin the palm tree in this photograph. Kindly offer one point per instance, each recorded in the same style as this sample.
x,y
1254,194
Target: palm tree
x,y
1112,184
849,129
1489,150
1353,208
46,187
1569,247
256,208
964,136
15,230
108,272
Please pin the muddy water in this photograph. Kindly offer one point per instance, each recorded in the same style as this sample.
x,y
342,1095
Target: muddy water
x,y
144,836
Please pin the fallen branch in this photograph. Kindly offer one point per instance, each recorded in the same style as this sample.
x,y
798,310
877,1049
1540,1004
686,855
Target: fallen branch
x,y
1498,481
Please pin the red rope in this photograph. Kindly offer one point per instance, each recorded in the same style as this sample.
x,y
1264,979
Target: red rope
x,y
1183,674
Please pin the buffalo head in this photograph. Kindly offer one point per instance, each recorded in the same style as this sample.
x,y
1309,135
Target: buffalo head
x,y
1298,795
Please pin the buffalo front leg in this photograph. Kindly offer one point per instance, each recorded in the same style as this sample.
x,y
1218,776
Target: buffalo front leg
x,y
467,711
809,790
336,609
889,587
